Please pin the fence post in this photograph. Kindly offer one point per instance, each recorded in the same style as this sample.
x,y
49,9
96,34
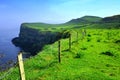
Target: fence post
x,y
83,33
70,42
59,51
77,37
21,66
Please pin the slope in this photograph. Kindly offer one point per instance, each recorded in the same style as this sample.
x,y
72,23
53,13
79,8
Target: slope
x,y
95,56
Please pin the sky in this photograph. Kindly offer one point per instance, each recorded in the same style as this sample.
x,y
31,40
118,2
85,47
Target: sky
x,y
15,12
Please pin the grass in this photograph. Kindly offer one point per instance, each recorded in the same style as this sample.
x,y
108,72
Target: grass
x,y
96,56
47,27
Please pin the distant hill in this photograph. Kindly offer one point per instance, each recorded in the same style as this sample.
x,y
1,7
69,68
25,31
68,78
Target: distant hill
x,y
85,19
112,22
91,18
112,19
96,22
94,19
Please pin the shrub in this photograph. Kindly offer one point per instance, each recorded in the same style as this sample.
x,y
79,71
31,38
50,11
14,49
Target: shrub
x,y
78,55
109,65
107,53
98,40
83,48
89,35
88,39
117,41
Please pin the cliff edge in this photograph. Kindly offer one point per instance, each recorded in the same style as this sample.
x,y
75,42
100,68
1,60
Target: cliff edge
x,y
32,40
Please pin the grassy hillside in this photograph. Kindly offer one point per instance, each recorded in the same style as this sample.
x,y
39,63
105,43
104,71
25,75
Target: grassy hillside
x,y
48,27
85,19
91,18
102,26
112,22
112,19
96,56
94,22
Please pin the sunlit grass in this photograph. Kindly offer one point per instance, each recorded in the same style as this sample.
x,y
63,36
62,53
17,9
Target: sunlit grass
x,y
96,56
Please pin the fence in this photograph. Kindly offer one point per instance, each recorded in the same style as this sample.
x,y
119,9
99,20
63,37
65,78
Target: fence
x,y
69,42
20,60
21,68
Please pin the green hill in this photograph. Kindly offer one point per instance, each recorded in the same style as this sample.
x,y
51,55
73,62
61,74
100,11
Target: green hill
x,y
96,56
94,53
85,19
112,22
112,19
91,18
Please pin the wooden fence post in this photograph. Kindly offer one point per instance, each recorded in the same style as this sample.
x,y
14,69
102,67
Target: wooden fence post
x,y
70,42
83,33
59,51
77,37
21,66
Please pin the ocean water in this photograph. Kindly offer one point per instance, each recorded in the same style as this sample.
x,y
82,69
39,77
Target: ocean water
x,y
8,52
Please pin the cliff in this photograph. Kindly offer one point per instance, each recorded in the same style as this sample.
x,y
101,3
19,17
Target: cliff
x,y
33,36
32,40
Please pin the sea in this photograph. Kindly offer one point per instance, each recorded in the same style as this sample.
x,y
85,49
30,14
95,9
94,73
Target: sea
x,y
8,52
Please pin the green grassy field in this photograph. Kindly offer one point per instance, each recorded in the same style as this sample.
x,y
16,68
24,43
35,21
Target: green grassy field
x,y
49,27
95,56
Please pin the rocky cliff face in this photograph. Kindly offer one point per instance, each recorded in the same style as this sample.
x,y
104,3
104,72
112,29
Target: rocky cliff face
x,y
32,40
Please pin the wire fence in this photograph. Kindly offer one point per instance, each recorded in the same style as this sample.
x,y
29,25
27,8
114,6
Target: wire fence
x,y
7,73
11,70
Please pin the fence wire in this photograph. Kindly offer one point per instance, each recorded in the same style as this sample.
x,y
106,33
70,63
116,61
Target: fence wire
x,y
16,64
7,73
